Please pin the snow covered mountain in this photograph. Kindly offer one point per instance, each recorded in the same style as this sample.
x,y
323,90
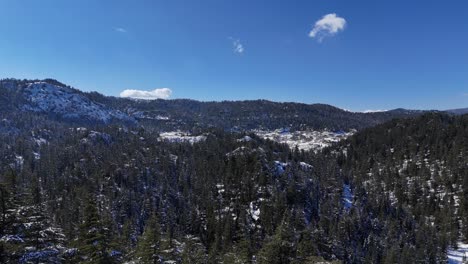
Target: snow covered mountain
x,y
53,98
57,100
45,97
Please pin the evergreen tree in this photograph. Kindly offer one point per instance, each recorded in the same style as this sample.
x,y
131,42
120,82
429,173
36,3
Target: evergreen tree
x,y
148,248
280,248
92,241
193,251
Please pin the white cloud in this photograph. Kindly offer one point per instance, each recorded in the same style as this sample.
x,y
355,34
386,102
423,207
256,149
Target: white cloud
x,y
329,25
160,93
373,111
120,30
237,46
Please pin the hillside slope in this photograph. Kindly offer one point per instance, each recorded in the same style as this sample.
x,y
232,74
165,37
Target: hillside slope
x,y
395,193
57,100
414,170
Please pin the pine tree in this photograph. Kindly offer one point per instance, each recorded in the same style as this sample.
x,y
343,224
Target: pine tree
x,y
280,247
306,247
10,237
193,251
92,241
148,248
42,239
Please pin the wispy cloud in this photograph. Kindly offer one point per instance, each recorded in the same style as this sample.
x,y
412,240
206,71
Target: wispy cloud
x,y
160,93
120,30
237,46
328,25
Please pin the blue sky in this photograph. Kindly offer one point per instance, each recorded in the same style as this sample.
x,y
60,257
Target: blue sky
x,y
388,54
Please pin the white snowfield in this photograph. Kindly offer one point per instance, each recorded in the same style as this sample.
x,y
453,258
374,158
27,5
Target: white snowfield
x,y
459,255
178,137
305,140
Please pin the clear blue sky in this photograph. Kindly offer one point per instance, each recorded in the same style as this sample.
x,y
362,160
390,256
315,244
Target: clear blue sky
x,y
411,54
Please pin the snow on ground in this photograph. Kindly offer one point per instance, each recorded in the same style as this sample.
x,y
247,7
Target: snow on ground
x,y
45,97
11,239
40,141
95,136
459,255
146,115
238,151
254,211
306,166
305,140
347,197
37,155
245,139
280,167
178,137
19,161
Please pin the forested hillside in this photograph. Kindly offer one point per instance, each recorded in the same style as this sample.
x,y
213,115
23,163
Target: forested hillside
x,y
416,171
64,103
109,194
86,178
114,194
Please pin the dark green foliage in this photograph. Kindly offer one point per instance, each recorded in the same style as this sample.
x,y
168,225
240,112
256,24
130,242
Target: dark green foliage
x,y
93,242
120,194
148,248
279,248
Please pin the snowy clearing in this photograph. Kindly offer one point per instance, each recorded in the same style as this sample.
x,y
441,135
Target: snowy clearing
x,y
459,255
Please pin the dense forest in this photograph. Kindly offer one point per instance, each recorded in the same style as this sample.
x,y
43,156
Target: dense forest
x,y
415,170
394,193
86,178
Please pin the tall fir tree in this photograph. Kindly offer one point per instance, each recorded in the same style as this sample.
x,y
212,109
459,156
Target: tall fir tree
x,y
148,247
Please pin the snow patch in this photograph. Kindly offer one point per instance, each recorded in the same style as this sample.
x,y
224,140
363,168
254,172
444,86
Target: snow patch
x,y
305,140
254,211
305,166
459,255
347,197
180,137
245,139
280,167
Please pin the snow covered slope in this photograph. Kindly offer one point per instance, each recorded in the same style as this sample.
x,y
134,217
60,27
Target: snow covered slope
x,y
459,255
305,140
178,137
59,100
53,98
49,98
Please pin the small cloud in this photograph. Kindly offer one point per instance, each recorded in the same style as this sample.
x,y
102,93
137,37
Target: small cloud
x,y
160,93
373,111
237,46
120,30
328,26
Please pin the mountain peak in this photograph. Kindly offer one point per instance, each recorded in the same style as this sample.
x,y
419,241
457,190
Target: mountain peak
x,y
52,97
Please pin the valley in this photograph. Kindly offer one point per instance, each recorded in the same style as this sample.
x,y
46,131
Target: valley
x,y
218,182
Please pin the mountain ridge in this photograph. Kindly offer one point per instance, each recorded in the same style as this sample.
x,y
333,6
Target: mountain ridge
x,y
68,103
